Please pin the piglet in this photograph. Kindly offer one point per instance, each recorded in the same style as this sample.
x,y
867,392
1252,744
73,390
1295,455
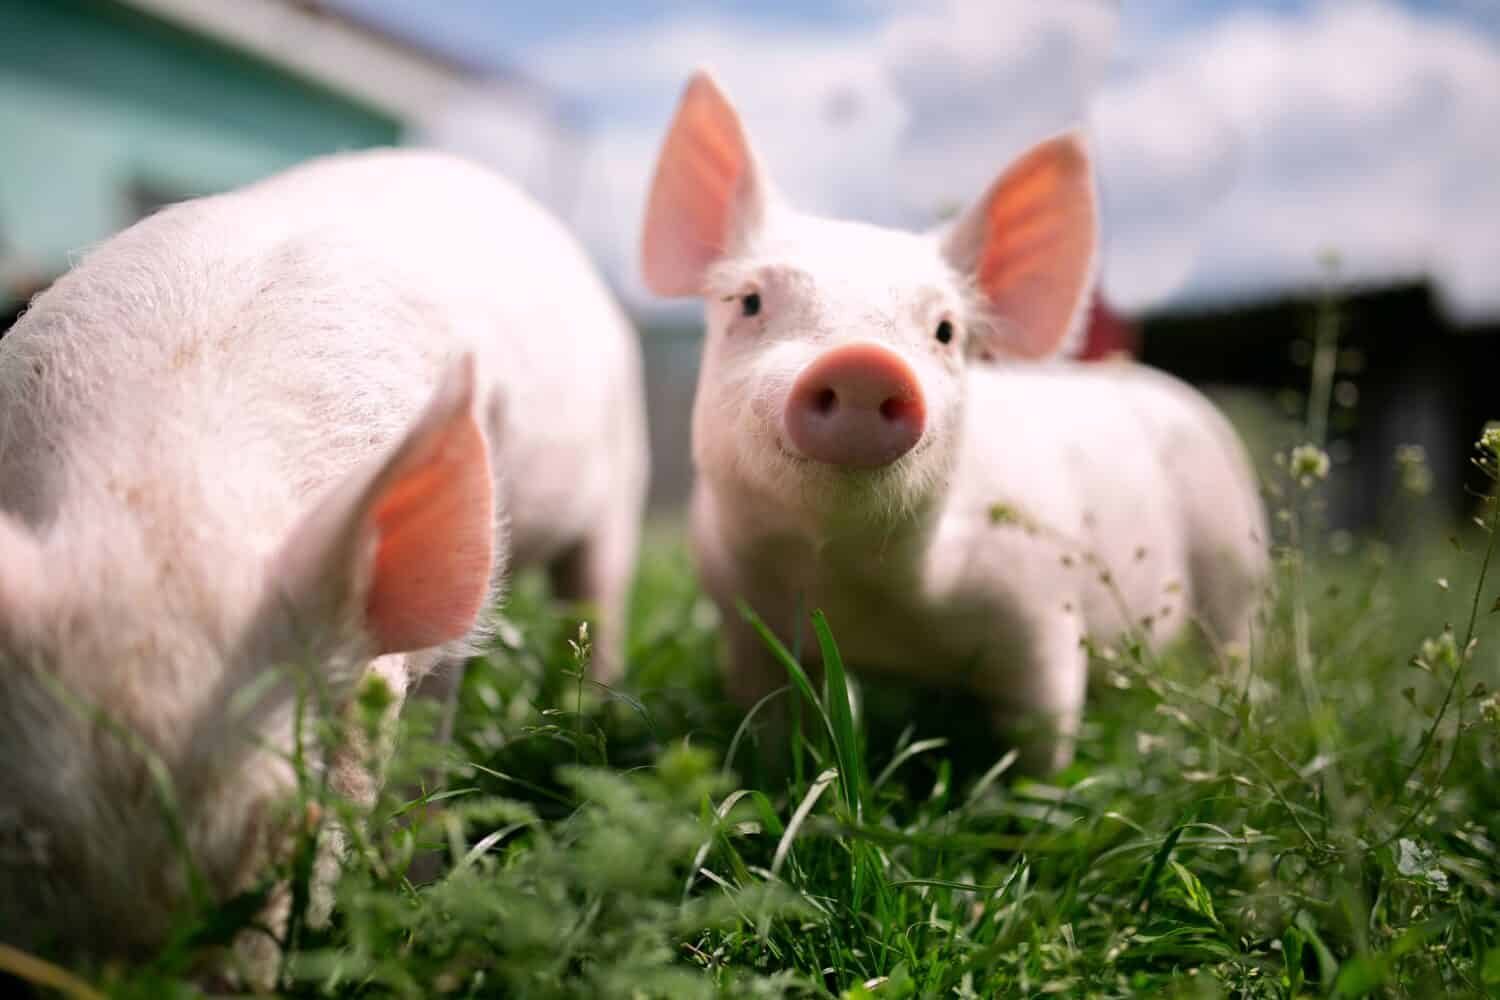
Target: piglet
x,y
964,521
285,435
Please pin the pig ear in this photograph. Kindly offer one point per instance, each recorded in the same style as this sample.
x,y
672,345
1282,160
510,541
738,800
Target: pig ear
x,y
406,545
708,193
1029,246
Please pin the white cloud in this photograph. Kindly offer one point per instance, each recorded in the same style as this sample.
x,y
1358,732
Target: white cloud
x,y
817,106
502,126
1364,129
1158,182
1233,151
981,81
890,123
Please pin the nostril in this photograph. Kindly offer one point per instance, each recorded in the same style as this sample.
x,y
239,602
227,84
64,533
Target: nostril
x,y
896,408
825,401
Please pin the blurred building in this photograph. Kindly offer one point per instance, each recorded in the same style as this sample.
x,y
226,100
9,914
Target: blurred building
x,y
1108,334
1406,374
111,108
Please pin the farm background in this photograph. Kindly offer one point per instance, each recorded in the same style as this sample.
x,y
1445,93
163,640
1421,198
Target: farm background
x,y
111,108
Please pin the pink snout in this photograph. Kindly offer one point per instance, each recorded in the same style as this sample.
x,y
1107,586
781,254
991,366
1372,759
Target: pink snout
x,y
857,406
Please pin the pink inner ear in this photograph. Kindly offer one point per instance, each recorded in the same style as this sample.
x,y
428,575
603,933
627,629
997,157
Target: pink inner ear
x,y
434,522
1038,245
701,182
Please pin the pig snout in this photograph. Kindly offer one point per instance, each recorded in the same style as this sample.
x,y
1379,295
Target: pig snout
x,y
857,406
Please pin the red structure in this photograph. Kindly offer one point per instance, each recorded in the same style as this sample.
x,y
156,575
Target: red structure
x,y
1108,334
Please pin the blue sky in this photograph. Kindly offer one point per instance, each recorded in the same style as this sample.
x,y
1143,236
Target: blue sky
x,y
501,31
1237,143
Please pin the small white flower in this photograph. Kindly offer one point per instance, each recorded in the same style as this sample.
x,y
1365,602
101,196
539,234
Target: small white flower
x,y
1411,463
1490,439
1308,463
1440,651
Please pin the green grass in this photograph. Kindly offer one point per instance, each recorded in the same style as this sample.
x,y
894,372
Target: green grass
x,y
1319,821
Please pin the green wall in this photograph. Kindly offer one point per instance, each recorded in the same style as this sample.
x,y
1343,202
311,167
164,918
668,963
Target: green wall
x,y
96,99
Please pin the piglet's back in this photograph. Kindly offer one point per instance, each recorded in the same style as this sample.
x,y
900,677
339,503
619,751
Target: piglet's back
x,y
270,339
516,285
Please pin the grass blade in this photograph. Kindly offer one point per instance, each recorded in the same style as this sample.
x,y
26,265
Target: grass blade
x,y
744,726
917,748
719,814
841,716
1158,863
993,774
794,669
38,972
794,825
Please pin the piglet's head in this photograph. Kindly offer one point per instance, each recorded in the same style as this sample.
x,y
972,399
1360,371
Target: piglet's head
x,y
834,370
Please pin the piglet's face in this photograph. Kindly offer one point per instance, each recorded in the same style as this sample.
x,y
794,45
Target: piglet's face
x,y
833,373
833,377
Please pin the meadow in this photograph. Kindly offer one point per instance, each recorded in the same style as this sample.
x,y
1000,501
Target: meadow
x,y
1317,817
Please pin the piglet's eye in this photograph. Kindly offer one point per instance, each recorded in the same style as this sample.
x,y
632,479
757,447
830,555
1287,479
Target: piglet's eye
x,y
944,332
750,303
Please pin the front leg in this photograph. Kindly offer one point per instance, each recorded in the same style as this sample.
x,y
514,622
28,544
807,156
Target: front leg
x,y
1037,691
356,768
752,672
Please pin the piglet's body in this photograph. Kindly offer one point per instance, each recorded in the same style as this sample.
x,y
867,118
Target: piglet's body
x,y
874,435
994,586
301,425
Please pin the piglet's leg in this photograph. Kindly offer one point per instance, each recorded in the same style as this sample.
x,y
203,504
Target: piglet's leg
x,y
1037,695
752,672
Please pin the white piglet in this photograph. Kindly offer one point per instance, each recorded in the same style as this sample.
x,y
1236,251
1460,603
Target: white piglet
x,y
306,423
961,521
